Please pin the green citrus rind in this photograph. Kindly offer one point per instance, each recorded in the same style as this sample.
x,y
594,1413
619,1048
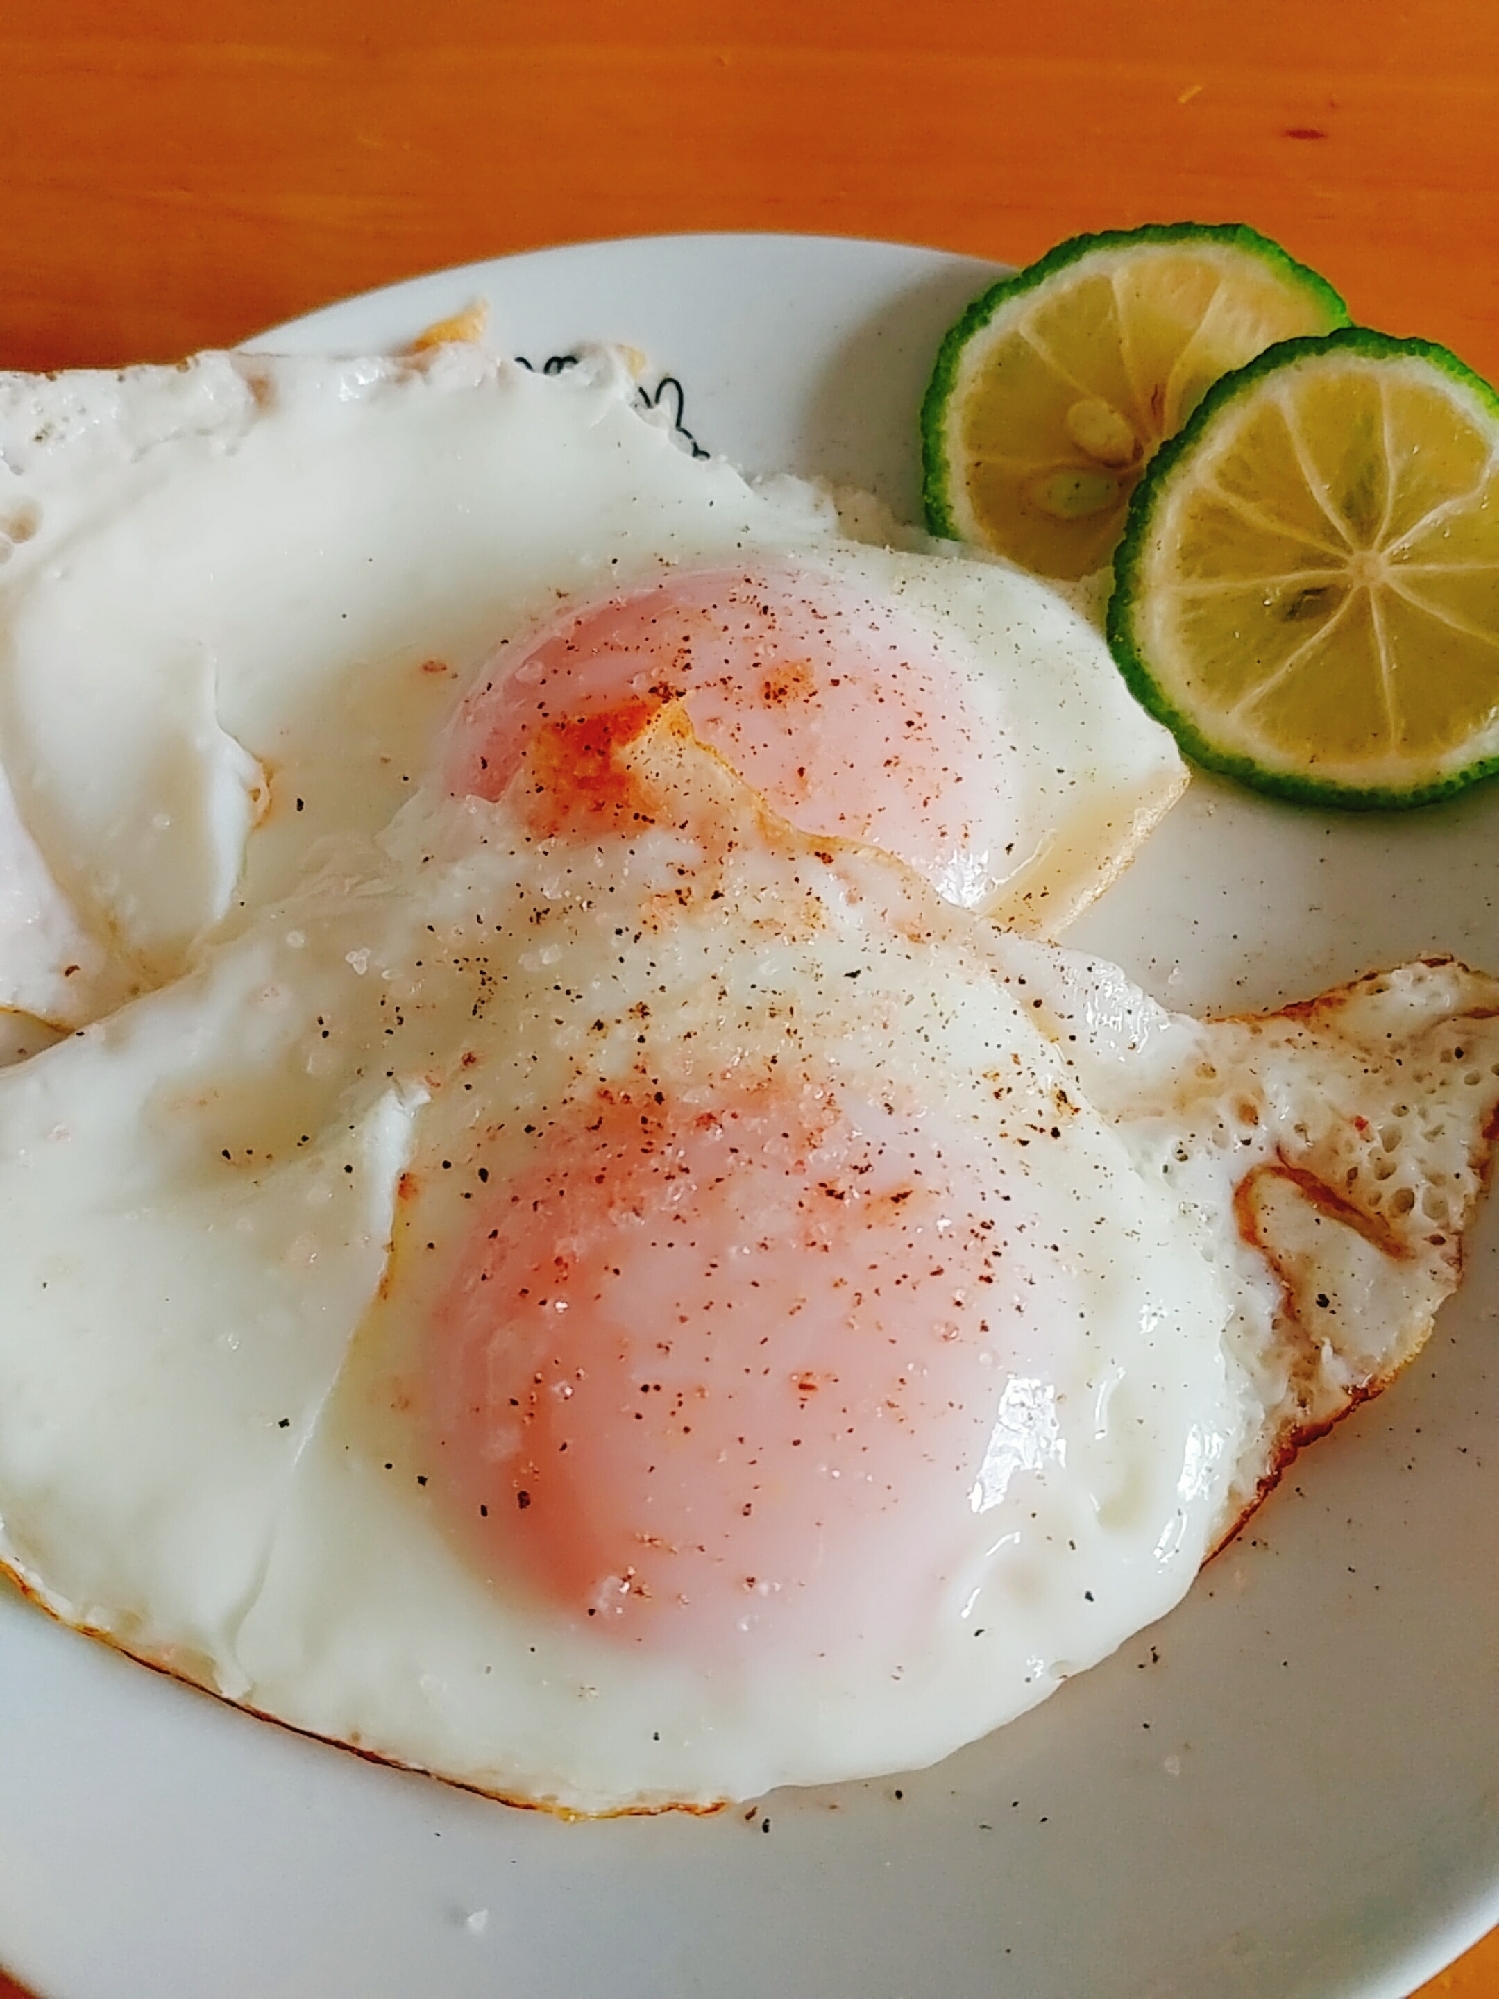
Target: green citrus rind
x,y
1305,787
937,459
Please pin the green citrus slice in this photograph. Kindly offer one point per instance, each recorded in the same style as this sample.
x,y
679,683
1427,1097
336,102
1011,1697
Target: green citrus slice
x,y
1307,592
1052,392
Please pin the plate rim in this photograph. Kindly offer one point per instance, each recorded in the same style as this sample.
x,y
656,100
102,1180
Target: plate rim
x,y
393,289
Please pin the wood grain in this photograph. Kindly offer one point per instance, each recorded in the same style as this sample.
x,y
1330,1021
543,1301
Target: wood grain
x,y
176,176
165,190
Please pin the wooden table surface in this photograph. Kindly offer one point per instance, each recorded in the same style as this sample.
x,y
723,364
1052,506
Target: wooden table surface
x,y
178,175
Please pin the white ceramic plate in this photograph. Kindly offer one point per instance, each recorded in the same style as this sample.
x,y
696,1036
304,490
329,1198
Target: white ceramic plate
x,y
1289,1790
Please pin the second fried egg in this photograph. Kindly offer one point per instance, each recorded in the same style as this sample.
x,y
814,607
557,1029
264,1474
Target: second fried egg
x,y
776,1373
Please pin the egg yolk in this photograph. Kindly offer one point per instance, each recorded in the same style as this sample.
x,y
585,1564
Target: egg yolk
x,y
843,714
708,1376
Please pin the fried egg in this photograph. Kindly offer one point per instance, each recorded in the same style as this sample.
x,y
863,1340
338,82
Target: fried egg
x,y
545,1233
240,600
843,1383
656,1313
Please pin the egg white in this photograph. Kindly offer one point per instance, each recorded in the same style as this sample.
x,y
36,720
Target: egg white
x,y
1328,1159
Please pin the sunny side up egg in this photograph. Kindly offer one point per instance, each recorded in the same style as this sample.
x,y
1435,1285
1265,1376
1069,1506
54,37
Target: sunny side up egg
x,y
607,1284
650,1318
239,599
618,1302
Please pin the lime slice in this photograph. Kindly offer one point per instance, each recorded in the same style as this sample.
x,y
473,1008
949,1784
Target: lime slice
x,y
1054,389
1307,592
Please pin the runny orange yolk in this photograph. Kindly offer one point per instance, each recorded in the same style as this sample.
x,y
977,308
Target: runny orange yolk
x,y
707,1377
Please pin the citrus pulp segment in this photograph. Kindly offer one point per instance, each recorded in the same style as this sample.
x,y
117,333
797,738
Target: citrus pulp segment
x,y
1307,591
1052,392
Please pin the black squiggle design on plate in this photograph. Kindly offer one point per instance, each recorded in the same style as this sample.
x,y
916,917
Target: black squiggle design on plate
x,y
553,365
675,395
668,390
